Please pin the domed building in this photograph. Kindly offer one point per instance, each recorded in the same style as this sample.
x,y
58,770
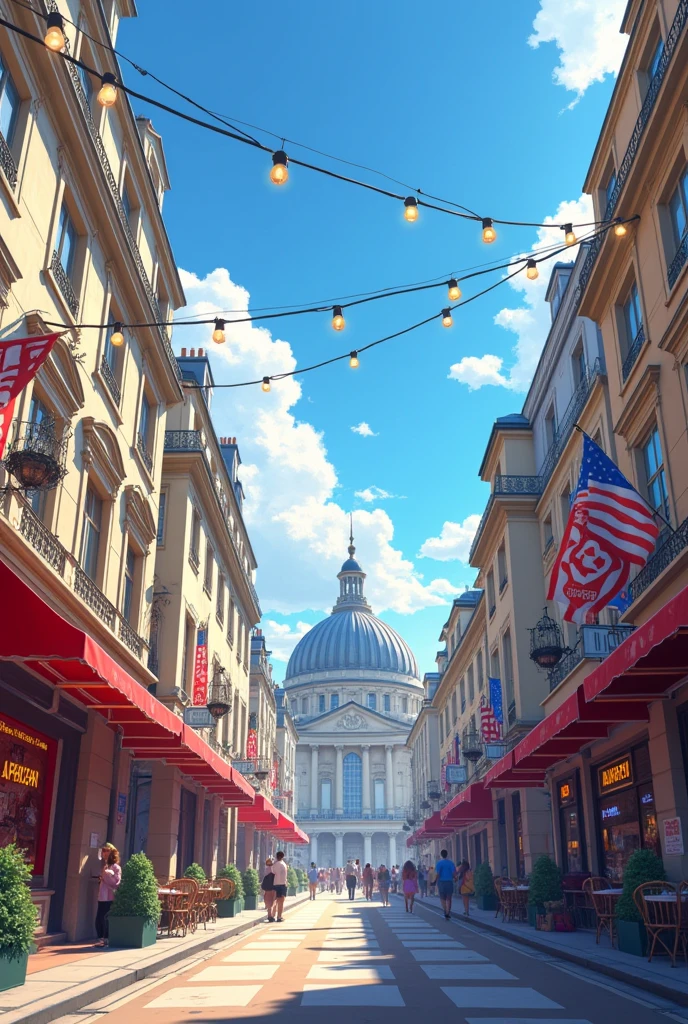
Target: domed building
x,y
355,693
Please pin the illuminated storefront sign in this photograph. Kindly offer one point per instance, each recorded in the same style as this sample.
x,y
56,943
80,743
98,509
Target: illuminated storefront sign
x,y
615,775
27,767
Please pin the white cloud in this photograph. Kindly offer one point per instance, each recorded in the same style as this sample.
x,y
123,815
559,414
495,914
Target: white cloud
x,y
281,639
369,494
476,371
364,430
453,543
299,533
586,32
444,587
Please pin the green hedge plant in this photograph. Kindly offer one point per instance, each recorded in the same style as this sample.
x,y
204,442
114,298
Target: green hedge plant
x,y
137,895
232,871
545,882
251,882
196,872
292,880
18,915
483,880
642,866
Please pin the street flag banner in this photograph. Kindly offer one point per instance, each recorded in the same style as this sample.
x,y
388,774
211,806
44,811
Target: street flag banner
x,y
252,744
490,728
610,529
20,360
443,777
457,749
200,676
274,775
495,686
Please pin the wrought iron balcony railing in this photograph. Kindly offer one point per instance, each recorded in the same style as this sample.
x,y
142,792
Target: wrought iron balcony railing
x,y
665,555
65,285
633,353
42,540
677,264
94,597
570,417
7,162
130,637
146,456
184,441
595,642
194,560
507,484
111,381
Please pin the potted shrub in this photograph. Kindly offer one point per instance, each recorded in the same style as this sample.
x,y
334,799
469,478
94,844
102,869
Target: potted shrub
x,y
251,883
233,906
18,917
303,879
642,866
196,872
292,882
483,880
545,887
133,918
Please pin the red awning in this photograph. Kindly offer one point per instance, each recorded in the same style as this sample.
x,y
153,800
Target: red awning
x,y
502,774
263,814
433,828
288,830
34,635
474,803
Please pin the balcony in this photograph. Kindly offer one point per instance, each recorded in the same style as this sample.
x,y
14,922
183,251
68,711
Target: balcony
x,y
506,485
330,815
7,162
676,265
661,560
110,380
633,353
42,540
65,285
594,643
570,417
194,560
146,456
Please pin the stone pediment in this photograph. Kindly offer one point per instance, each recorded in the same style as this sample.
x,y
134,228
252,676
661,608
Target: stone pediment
x,y
352,719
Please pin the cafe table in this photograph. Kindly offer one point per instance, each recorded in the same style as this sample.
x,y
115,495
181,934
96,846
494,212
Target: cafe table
x,y
666,897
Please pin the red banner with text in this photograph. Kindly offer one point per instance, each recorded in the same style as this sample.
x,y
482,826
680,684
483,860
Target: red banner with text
x,y
200,676
20,360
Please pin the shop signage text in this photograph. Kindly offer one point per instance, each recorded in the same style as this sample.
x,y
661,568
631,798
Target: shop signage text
x,y
20,773
673,836
615,775
455,774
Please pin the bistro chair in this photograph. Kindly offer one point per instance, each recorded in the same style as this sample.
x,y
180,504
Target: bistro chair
x,y
202,912
661,917
183,914
603,906
501,905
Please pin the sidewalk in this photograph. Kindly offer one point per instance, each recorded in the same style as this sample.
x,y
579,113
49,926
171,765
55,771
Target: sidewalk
x,y
53,992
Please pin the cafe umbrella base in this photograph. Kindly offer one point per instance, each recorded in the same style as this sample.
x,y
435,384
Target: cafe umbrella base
x,y
12,971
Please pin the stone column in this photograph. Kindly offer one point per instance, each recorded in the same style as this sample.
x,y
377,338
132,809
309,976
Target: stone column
x,y
367,848
315,802
339,849
314,848
339,780
389,779
392,849
366,778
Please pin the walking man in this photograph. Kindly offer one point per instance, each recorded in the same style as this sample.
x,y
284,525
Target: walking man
x,y
279,869
350,874
312,880
446,873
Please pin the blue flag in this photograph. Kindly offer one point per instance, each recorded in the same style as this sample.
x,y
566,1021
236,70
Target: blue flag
x,y
496,699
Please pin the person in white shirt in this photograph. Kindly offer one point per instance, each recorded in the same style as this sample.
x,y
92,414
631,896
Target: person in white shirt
x,y
279,869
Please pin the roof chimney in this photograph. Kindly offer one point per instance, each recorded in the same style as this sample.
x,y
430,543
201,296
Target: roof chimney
x,y
183,352
201,352
192,352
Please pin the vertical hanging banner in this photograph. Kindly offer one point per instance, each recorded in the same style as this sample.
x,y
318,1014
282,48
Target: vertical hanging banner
x,y
274,775
200,676
20,360
252,745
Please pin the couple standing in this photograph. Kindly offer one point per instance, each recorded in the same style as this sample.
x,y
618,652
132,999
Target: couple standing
x,y
448,873
274,886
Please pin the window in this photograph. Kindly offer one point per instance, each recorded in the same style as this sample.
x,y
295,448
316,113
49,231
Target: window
x,y
86,83
38,412
9,104
580,369
655,476
162,505
453,708
66,241
565,506
90,536
471,687
111,359
304,705
220,603
404,705
479,669
501,567
144,418
372,701
550,426
188,654
209,564
334,701
326,794
441,720
609,188
508,681
494,664
386,703
491,592
678,210
129,575
632,315
462,695
653,65
126,203
547,532
379,795
321,703
353,786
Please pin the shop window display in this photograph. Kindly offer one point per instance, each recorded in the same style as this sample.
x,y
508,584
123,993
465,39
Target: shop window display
x,y
27,768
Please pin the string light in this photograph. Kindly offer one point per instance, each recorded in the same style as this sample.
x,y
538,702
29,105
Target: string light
x,y
569,234
489,233
338,321
266,384
454,292
279,172
532,271
117,337
219,332
107,97
447,319
620,228
353,360
54,36
410,209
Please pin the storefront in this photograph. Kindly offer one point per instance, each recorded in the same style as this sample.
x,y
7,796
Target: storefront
x,y
519,853
626,816
571,827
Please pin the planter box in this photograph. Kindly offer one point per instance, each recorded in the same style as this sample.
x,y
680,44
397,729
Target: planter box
x,y
12,972
131,932
250,902
632,937
229,908
533,910
291,891
486,902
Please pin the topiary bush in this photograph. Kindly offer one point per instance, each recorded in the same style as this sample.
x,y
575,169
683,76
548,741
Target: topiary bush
x,y
302,876
18,916
292,880
251,882
483,880
231,871
545,882
137,895
196,872
642,866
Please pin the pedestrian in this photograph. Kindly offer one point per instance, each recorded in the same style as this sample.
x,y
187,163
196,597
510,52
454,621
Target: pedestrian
x,y
368,880
432,879
383,881
109,878
409,884
338,876
466,887
280,872
422,880
394,878
446,872
330,875
350,874
268,887
312,880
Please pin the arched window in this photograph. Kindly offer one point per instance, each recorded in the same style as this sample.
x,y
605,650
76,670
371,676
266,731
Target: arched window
x,y
353,787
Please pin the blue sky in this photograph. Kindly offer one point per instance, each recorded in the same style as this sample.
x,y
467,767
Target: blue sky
x,y
454,101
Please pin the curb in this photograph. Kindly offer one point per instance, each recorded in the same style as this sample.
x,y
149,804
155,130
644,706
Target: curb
x,y
101,989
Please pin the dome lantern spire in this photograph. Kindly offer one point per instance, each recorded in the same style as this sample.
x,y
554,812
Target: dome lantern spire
x,y
351,578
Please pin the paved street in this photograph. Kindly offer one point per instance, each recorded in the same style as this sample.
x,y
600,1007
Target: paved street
x,y
360,961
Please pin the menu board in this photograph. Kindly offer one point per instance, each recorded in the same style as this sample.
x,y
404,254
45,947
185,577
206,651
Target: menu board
x,y
27,768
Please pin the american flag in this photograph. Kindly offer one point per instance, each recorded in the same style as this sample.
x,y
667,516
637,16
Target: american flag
x,y
610,528
490,726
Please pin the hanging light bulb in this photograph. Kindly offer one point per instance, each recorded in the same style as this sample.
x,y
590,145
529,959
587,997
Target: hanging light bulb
x,y
353,360
266,384
54,37
279,172
338,321
532,271
117,337
410,209
569,234
219,332
620,228
489,233
447,319
107,96
454,290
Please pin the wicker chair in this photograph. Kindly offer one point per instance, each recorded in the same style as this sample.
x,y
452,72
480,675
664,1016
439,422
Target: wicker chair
x,y
183,914
202,911
662,918
605,911
228,888
501,897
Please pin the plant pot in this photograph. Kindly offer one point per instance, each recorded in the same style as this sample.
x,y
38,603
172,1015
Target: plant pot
x,y
12,972
291,891
632,937
229,908
131,932
250,902
533,910
488,902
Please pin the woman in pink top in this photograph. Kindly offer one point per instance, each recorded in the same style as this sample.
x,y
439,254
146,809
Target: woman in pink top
x,y
110,877
409,883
